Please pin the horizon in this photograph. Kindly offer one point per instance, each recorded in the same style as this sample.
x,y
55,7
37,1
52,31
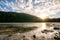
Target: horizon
x,y
39,8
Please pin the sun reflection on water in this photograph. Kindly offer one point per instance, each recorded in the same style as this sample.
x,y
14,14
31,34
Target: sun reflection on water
x,y
43,26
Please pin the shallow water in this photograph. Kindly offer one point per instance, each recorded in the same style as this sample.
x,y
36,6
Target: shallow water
x,y
44,31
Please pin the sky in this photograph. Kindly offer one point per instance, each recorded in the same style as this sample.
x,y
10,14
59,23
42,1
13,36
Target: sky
x,y
50,8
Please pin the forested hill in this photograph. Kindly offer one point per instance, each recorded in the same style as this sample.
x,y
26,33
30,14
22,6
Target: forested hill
x,y
17,17
52,20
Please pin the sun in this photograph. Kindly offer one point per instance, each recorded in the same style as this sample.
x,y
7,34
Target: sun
x,y
43,16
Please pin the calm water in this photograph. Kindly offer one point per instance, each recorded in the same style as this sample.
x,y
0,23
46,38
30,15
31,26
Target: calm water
x,y
44,31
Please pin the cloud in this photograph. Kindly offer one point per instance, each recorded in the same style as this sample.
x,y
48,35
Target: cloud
x,y
33,7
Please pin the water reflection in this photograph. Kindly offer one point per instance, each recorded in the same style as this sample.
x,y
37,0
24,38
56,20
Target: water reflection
x,y
45,31
46,26
43,26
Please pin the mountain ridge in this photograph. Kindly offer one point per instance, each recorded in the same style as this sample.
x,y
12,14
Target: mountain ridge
x,y
17,17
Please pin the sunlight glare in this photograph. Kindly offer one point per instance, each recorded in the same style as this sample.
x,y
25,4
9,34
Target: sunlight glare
x,y
43,16
43,26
